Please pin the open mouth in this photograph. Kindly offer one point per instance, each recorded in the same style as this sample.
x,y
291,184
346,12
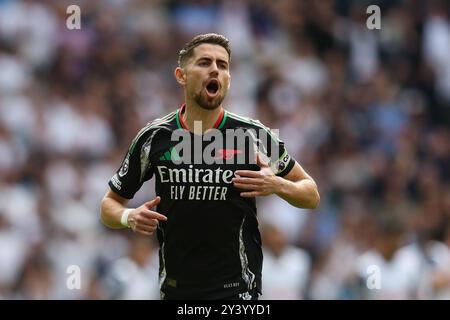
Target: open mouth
x,y
212,87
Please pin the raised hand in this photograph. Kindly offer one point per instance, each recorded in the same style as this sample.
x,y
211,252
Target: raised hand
x,y
143,220
257,183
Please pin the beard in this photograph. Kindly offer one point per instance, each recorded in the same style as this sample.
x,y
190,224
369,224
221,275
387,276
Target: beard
x,y
206,103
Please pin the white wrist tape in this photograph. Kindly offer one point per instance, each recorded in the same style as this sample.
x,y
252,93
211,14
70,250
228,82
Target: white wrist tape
x,y
124,218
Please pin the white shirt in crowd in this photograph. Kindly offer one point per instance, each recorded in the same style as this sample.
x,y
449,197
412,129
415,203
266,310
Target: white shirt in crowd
x,y
285,277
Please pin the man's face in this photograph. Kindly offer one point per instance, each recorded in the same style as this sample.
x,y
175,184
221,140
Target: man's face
x,y
207,75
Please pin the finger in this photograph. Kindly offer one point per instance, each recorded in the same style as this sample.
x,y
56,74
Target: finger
x,y
251,194
248,173
254,181
153,215
246,186
152,203
146,221
144,233
145,228
260,162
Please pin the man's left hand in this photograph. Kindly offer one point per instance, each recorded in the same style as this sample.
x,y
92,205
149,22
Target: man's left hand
x,y
257,183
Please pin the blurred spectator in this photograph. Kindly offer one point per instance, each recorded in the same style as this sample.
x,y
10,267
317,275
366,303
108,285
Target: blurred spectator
x,y
389,270
285,267
367,112
136,276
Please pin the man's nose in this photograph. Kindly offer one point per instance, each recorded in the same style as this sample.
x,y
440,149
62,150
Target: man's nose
x,y
214,71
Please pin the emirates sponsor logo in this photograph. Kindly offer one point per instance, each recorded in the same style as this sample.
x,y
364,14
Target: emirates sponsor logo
x,y
194,175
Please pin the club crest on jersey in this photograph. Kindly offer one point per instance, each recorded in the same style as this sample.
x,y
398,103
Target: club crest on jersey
x,y
227,154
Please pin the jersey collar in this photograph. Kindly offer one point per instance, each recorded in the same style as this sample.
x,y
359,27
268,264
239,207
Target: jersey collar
x,y
217,125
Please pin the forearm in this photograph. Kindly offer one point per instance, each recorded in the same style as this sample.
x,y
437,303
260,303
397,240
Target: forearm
x,y
111,213
301,194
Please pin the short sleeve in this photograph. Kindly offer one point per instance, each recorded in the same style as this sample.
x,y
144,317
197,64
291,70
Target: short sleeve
x,y
135,168
275,152
284,163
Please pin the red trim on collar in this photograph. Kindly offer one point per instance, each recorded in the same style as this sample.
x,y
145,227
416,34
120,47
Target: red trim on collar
x,y
216,124
180,116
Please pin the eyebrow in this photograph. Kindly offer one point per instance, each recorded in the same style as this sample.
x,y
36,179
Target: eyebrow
x,y
210,59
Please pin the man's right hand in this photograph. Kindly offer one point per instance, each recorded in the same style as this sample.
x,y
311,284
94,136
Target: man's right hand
x,y
144,221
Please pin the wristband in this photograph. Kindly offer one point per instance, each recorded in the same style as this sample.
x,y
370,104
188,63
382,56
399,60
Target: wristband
x,y
124,218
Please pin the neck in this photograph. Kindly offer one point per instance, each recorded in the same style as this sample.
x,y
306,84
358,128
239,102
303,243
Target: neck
x,y
193,112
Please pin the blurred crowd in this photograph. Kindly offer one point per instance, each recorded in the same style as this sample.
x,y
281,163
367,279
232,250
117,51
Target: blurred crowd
x,y
365,112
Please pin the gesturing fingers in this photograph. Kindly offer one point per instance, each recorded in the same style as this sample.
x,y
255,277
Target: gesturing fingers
x,y
244,180
145,221
144,232
246,186
251,194
257,183
145,229
149,214
247,183
144,225
142,220
249,173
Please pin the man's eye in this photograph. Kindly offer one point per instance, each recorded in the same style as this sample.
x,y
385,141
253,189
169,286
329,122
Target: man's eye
x,y
204,63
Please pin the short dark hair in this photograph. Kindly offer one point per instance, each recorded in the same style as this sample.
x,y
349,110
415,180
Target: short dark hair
x,y
212,38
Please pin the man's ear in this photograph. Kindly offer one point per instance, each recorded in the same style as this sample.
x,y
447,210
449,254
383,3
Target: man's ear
x,y
180,75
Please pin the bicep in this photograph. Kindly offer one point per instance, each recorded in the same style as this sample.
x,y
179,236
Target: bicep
x,y
297,173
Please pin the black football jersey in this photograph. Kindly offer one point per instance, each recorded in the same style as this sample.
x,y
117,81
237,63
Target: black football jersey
x,y
210,246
